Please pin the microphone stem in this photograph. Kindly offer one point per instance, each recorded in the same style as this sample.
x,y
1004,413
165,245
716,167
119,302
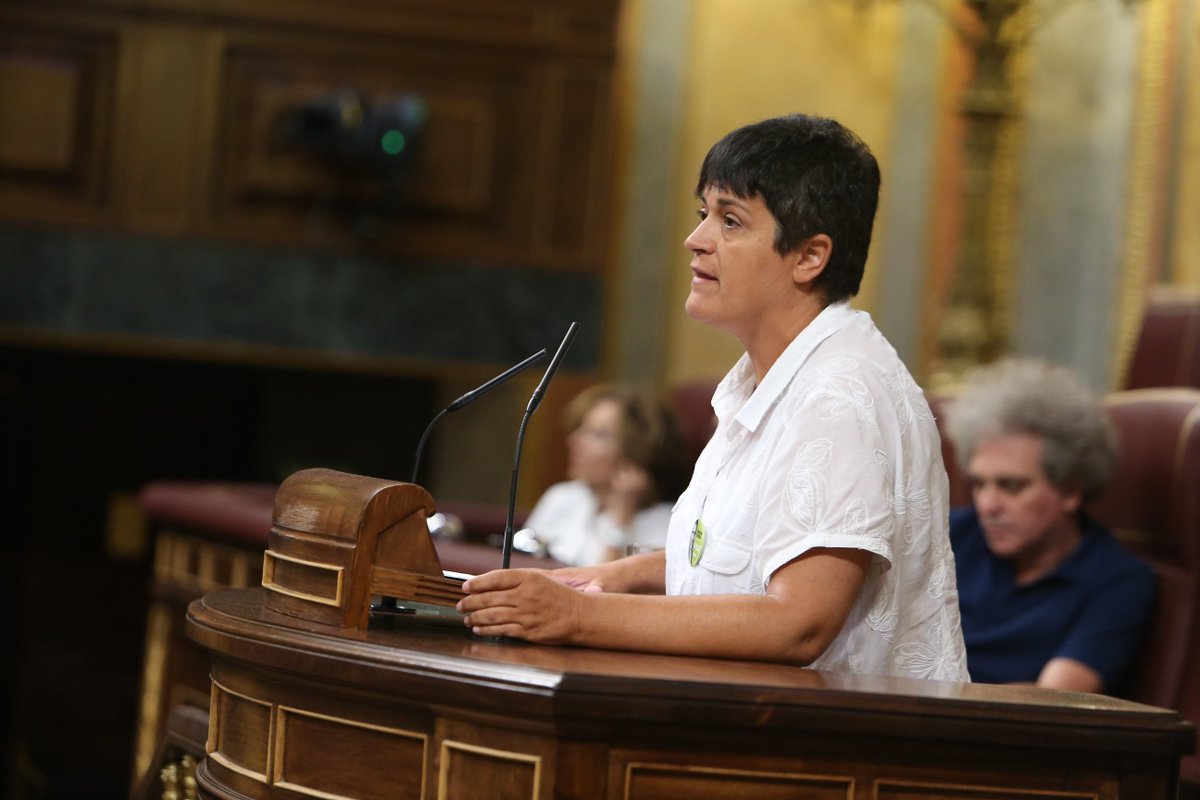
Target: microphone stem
x,y
421,444
506,552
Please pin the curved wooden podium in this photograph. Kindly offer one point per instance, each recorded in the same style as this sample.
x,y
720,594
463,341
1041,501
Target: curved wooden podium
x,y
414,709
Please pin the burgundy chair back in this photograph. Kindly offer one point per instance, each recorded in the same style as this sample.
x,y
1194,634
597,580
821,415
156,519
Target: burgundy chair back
x,y
1153,507
1167,352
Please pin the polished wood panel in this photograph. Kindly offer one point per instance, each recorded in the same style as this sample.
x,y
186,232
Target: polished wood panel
x,y
241,732
472,772
164,134
58,86
575,167
312,750
579,26
651,781
929,791
164,117
548,722
473,174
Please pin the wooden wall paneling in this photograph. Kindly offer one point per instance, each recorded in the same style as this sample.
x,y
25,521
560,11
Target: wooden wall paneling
x,y
468,22
164,142
469,192
586,25
166,122
57,111
577,26
573,184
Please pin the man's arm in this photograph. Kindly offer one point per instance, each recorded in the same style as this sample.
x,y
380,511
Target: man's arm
x,y
1106,639
1067,673
806,604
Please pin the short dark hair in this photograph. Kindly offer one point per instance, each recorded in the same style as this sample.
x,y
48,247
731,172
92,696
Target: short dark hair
x,y
815,176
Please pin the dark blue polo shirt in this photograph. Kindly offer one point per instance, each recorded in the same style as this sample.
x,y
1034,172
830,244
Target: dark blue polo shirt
x,y
1094,608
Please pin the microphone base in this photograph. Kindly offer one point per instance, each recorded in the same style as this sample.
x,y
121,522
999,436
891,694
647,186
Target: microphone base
x,y
388,605
389,613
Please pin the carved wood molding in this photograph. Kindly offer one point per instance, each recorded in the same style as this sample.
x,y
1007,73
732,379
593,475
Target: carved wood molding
x,y
164,119
56,127
570,26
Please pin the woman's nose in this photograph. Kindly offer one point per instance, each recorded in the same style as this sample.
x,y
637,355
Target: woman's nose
x,y
698,241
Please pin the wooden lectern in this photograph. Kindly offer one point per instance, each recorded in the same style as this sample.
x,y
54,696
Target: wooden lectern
x,y
308,701
337,540
424,712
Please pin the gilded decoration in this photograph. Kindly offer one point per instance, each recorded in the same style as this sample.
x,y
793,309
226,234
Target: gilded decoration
x,y
976,324
1144,251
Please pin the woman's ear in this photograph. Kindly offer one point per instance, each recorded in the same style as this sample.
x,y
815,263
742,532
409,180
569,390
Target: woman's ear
x,y
811,257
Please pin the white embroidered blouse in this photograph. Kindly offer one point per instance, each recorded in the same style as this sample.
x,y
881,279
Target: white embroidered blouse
x,y
837,448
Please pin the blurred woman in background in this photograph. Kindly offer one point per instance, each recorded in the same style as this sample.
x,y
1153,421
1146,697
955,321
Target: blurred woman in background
x,y
626,464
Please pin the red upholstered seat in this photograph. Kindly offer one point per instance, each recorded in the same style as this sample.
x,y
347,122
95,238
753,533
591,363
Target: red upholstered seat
x,y
1153,507
237,513
1167,351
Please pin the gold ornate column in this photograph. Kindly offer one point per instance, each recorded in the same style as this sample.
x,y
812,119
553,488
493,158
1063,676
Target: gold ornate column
x,y
1146,215
976,322
974,327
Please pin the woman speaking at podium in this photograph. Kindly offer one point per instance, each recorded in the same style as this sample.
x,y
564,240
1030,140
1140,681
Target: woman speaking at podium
x,y
814,530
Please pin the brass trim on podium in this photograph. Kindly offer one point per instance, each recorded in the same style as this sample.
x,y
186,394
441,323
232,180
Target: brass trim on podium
x,y
268,579
449,745
280,746
216,727
964,791
798,778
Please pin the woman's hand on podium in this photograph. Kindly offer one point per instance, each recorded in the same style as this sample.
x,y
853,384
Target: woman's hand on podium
x,y
572,605
526,604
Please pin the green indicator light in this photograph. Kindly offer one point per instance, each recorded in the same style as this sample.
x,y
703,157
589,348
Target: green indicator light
x,y
392,142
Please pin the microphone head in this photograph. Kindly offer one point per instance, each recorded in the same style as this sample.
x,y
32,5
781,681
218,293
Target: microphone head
x,y
559,354
507,544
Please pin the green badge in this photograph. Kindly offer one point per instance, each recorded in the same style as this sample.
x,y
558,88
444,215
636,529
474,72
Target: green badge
x,y
696,545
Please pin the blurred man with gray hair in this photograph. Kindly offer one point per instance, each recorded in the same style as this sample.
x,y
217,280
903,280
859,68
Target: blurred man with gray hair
x,y
1047,596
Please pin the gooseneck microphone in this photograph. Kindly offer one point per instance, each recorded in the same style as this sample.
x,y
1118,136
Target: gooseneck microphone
x,y
534,401
470,397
